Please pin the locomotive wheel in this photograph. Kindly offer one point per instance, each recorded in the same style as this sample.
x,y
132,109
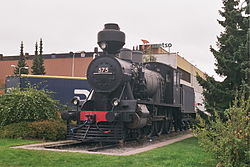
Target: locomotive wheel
x,y
183,126
186,125
139,134
148,131
189,124
168,122
134,134
158,125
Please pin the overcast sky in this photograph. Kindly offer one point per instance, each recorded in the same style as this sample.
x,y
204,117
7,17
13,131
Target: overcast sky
x,y
72,25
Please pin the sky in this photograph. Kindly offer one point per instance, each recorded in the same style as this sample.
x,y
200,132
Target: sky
x,y
72,25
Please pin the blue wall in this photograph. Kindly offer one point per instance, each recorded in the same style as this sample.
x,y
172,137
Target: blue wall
x,y
63,88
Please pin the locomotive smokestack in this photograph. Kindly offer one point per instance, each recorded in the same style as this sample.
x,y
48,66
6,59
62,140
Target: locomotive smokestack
x,y
111,39
111,26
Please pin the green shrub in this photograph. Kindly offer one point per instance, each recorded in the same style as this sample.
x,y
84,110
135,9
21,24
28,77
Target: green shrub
x,y
47,130
228,139
27,105
44,130
15,130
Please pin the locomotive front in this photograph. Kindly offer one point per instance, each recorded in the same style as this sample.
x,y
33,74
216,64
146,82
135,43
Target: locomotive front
x,y
107,73
111,101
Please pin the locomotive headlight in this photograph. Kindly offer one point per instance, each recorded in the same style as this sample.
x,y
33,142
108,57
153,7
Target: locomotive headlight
x,y
75,100
103,45
115,102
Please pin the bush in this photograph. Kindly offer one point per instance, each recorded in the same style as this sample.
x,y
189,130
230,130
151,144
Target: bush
x,y
27,105
45,130
228,139
15,130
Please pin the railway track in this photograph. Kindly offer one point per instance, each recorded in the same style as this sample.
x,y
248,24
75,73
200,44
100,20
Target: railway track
x,y
87,145
121,149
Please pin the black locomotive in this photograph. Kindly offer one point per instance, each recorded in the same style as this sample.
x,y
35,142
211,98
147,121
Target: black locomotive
x,y
129,99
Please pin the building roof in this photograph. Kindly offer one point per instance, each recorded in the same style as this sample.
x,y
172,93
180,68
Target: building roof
x,y
153,49
50,56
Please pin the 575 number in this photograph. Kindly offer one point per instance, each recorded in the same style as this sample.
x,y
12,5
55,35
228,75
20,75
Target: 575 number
x,y
103,69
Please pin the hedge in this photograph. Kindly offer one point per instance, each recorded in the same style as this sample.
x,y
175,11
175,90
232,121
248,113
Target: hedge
x,y
43,130
27,105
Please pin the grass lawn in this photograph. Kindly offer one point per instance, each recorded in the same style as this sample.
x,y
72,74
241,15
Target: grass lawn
x,y
185,153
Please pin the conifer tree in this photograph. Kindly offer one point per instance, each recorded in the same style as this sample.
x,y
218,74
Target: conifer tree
x,y
232,57
42,68
19,69
35,62
38,63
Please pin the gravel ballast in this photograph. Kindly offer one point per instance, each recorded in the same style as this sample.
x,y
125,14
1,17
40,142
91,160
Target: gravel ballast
x,y
129,148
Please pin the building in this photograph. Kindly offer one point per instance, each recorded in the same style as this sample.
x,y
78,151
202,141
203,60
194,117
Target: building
x,y
62,64
75,65
188,70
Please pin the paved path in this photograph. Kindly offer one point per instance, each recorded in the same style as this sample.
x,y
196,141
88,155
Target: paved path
x,y
40,146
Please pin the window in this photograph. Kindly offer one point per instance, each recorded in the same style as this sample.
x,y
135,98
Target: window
x,y
168,78
185,75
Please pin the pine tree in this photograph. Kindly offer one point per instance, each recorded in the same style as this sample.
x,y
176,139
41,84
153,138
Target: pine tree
x,y
35,62
42,68
21,63
232,57
38,63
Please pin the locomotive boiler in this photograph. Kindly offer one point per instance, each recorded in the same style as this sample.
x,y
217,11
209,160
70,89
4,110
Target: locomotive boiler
x,y
129,99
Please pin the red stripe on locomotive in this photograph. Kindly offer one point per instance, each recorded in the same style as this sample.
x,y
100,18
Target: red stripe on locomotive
x,y
100,115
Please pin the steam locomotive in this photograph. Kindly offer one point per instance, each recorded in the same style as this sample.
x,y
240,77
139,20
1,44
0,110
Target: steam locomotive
x,y
129,99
